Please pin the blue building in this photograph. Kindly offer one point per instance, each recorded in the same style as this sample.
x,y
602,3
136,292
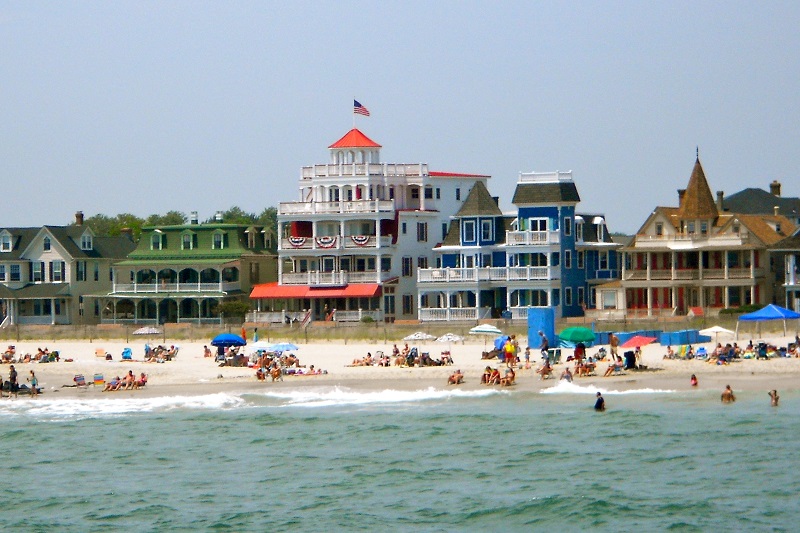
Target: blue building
x,y
544,254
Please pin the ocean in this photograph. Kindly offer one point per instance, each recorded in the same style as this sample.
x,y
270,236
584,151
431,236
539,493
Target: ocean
x,y
328,459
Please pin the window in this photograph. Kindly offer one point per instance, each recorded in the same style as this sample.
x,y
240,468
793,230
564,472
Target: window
x,y
659,228
537,224
422,262
736,228
567,258
555,260
567,226
97,271
579,231
422,231
428,193
458,194
2,272
408,266
438,193
386,264
14,274
415,193
690,228
403,228
218,241
601,233
80,274
37,271
56,271
581,296
486,230
86,242
46,244
408,304
444,230
155,241
469,231
581,259
5,243
187,240
704,228
603,260
568,296
556,297
609,299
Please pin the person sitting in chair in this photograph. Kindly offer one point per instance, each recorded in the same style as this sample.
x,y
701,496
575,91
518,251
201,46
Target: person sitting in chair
x,y
616,365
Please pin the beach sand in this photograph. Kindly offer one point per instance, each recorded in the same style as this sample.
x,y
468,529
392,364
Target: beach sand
x,y
190,373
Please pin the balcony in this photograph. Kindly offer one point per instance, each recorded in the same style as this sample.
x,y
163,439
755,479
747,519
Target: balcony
x,y
335,208
451,314
335,170
336,278
500,274
690,242
358,242
173,288
532,238
693,274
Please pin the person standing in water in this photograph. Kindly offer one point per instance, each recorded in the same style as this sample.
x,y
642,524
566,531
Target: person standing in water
x,y
727,395
773,395
600,403
693,381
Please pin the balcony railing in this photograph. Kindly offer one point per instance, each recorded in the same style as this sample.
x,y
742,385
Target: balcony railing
x,y
357,316
334,242
532,238
522,273
693,241
693,274
335,278
163,288
330,208
275,317
335,170
452,314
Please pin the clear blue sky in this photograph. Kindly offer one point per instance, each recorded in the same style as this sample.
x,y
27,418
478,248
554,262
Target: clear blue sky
x,y
145,107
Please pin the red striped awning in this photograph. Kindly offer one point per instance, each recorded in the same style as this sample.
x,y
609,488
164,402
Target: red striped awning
x,y
353,290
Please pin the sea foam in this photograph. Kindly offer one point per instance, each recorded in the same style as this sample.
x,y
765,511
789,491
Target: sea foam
x,y
78,408
342,396
565,387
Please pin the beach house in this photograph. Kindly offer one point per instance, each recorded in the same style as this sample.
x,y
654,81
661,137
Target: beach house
x,y
351,244
46,273
544,254
699,258
181,273
787,251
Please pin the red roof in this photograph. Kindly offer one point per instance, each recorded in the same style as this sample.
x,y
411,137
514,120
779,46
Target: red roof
x,y
275,291
355,139
456,174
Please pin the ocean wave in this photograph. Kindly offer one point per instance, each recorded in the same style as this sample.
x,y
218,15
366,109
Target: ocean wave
x,y
78,408
565,387
343,396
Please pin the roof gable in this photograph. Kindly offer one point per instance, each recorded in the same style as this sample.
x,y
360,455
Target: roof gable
x,y
479,203
545,193
355,139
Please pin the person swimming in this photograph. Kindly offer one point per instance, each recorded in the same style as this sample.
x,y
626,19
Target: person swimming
x,y
773,395
727,395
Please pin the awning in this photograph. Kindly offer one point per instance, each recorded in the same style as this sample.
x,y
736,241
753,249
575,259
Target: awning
x,y
353,290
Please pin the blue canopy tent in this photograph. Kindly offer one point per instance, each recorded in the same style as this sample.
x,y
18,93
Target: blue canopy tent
x,y
770,312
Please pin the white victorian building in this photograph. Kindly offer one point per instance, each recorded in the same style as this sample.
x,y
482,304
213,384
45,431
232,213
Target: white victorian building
x,y
349,247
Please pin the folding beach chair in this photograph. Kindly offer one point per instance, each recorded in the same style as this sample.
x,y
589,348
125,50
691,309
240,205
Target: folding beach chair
x,y
80,381
99,381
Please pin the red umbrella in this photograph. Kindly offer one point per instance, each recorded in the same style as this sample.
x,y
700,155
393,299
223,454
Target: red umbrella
x,y
638,341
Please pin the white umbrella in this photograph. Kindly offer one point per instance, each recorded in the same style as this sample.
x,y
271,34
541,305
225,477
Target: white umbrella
x,y
485,329
450,338
716,330
260,345
419,336
147,330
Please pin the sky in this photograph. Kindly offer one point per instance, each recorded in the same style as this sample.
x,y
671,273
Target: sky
x,y
150,106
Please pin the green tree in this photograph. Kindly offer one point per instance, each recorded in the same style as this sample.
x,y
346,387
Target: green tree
x,y
234,308
269,220
172,218
101,224
235,215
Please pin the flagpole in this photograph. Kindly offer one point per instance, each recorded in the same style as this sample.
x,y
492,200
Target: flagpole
x,y
354,115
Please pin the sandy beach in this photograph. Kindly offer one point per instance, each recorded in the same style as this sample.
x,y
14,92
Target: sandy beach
x,y
191,373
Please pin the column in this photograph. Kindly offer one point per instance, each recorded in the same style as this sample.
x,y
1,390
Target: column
x,y
421,198
624,261
674,297
649,292
52,311
699,265
648,258
752,264
673,262
419,305
725,267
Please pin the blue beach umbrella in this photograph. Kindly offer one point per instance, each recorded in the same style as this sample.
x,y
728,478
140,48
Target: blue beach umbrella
x,y
283,347
227,339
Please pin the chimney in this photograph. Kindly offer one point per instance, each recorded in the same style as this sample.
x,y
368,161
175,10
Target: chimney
x,y
720,197
218,216
193,217
79,218
775,188
776,209
127,232
681,193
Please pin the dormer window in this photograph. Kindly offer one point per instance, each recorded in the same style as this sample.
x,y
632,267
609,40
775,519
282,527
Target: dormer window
x,y
659,228
5,242
690,228
188,241
704,228
86,241
46,244
157,240
218,241
736,229
578,231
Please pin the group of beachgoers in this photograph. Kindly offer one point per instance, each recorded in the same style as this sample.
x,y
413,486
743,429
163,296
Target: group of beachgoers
x,y
277,365
12,388
405,357
159,354
43,355
127,382
725,354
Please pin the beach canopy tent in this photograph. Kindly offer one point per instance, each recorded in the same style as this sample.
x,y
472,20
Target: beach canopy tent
x,y
228,339
770,312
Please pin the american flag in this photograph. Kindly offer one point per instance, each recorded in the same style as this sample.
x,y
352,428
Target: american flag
x,y
359,109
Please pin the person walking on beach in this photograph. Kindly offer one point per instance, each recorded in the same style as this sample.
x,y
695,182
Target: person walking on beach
x,y
34,384
545,345
613,342
727,395
600,403
773,395
13,386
